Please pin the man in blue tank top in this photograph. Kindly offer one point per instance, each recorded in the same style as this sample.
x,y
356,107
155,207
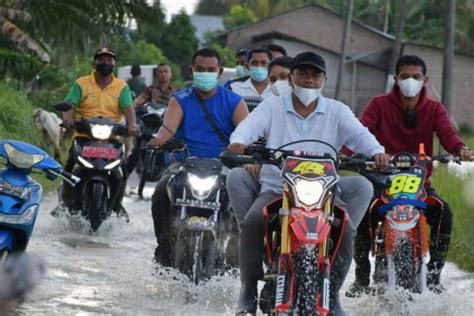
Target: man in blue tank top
x,y
186,118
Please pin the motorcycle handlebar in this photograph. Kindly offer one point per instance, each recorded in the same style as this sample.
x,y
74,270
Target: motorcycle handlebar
x,y
261,155
68,177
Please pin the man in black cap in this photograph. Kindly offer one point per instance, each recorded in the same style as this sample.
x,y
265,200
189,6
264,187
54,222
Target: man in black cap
x,y
302,114
98,94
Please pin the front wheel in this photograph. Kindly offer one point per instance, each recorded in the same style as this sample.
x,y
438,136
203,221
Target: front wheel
x,y
307,273
403,265
97,204
195,255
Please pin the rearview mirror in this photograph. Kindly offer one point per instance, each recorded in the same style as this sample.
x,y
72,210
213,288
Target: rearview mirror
x,y
63,106
152,120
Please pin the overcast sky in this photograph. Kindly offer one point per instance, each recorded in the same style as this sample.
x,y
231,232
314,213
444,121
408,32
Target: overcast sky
x,y
173,6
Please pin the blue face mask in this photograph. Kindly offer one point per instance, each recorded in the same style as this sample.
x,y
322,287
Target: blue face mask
x,y
258,74
240,71
204,81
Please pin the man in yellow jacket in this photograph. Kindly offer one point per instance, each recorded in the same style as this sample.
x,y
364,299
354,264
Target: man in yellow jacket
x,y
99,94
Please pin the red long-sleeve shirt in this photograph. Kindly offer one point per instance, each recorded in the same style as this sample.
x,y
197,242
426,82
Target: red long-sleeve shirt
x,y
384,116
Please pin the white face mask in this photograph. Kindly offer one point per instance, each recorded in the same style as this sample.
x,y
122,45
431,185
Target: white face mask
x,y
281,87
306,95
410,87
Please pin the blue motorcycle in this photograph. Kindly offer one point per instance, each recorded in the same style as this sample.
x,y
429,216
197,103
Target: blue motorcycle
x,y
20,195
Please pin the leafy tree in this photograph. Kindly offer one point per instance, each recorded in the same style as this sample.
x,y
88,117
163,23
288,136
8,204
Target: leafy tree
x,y
227,55
151,30
139,53
35,27
263,8
239,15
178,41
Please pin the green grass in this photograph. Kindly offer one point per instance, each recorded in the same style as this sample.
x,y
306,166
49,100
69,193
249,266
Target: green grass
x,y
16,122
452,189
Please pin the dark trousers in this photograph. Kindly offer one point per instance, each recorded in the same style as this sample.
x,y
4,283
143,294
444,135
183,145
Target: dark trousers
x,y
440,221
162,215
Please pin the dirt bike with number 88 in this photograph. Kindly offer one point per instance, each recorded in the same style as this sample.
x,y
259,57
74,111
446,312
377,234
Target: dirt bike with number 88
x,y
399,229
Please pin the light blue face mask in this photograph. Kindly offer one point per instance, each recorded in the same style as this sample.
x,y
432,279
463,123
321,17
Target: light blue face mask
x,y
240,71
258,74
204,81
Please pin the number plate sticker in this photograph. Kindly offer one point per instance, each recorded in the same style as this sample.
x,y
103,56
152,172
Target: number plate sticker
x,y
14,190
99,152
405,183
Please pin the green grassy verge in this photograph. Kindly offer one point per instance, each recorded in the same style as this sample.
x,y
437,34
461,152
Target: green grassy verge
x,y
452,189
16,122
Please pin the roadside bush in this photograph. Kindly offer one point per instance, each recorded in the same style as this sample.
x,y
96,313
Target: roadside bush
x,y
16,122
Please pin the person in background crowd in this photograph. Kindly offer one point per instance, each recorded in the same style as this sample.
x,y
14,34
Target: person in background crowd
x,y
240,68
276,50
241,62
137,82
161,90
257,87
279,75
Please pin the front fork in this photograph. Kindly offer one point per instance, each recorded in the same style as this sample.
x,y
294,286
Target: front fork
x,y
285,278
384,242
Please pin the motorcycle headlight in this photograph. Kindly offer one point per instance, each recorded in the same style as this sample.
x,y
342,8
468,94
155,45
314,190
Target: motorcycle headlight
x,y
112,164
24,218
20,159
309,192
85,163
201,184
101,132
161,112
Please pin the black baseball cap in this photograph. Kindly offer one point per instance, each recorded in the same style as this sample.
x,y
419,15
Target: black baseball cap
x,y
104,51
309,58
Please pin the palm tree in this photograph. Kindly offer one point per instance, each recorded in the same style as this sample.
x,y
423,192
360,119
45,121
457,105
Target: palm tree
x,y
33,32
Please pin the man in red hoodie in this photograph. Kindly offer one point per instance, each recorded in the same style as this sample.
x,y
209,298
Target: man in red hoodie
x,y
401,120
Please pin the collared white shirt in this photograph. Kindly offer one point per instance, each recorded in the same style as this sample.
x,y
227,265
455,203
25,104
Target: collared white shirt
x,y
276,120
247,91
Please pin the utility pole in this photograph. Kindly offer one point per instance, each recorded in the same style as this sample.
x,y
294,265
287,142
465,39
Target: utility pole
x,y
447,89
345,39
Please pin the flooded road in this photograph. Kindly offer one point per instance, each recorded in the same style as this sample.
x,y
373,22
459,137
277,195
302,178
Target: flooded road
x,y
113,272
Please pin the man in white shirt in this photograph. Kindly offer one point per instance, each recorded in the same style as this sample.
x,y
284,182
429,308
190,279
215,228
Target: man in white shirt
x,y
303,114
256,88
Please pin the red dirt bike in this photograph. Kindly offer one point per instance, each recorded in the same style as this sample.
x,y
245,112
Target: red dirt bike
x,y
302,228
399,232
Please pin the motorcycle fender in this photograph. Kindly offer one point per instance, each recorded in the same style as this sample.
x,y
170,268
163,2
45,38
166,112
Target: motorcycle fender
x,y
6,240
309,227
95,178
284,284
401,220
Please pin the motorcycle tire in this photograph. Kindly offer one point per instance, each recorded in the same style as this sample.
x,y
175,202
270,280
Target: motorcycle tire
x,y
97,204
195,255
307,284
405,273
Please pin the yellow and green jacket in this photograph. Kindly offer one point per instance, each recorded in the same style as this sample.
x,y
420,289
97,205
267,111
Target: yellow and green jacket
x,y
91,101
